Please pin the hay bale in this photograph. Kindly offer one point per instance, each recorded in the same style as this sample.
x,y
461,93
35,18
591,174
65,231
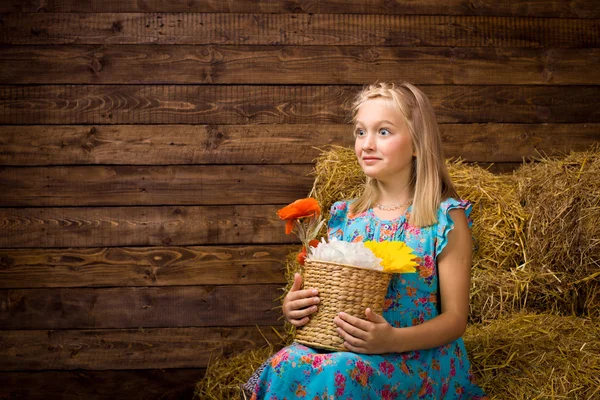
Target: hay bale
x,y
496,294
521,356
224,375
529,356
498,217
562,197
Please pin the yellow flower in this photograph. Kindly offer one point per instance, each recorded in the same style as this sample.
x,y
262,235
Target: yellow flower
x,y
397,257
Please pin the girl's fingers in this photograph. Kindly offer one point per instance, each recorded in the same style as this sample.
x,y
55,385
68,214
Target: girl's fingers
x,y
357,322
299,322
355,349
297,303
301,294
305,312
303,303
297,283
350,330
348,338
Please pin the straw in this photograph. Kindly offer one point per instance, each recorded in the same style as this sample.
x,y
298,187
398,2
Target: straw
x,y
527,356
562,197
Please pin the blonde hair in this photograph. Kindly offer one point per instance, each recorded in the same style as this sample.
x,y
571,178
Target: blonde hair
x,y
430,182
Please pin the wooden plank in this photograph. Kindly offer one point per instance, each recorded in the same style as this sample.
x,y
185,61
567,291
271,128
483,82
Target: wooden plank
x,y
140,226
260,6
528,8
126,307
167,104
298,29
185,64
33,145
167,144
36,350
233,104
143,266
164,384
153,185
551,8
514,143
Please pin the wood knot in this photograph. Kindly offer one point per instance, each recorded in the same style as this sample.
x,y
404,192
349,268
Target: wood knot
x,y
6,261
36,31
96,66
547,75
523,136
88,147
117,26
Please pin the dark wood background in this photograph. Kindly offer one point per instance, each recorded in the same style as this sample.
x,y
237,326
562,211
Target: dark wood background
x,y
146,145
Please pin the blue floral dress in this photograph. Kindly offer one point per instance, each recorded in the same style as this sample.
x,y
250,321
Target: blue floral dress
x,y
298,371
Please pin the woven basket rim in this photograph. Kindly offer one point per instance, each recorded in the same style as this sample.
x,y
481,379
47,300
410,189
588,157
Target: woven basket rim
x,y
348,265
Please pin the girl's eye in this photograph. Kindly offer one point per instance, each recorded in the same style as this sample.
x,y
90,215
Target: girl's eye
x,y
359,133
384,132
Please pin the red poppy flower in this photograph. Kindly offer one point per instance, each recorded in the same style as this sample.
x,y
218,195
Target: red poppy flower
x,y
313,243
298,209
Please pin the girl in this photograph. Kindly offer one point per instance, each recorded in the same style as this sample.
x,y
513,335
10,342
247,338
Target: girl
x,y
414,349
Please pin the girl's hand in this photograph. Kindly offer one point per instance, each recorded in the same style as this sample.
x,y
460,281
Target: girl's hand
x,y
299,304
371,336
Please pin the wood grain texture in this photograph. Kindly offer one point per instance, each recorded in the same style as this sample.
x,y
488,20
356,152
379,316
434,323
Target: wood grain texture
x,y
153,185
298,29
147,307
260,6
140,226
167,144
515,143
143,266
551,8
166,104
39,145
150,384
241,104
115,349
290,65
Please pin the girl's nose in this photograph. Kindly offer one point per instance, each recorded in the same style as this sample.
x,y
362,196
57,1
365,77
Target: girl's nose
x,y
369,142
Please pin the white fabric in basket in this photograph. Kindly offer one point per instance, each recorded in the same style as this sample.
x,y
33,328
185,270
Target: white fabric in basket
x,y
348,253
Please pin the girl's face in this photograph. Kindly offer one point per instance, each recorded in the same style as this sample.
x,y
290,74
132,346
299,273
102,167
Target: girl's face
x,y
383,144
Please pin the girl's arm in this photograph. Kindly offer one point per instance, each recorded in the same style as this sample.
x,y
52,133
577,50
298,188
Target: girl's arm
x,y
454,274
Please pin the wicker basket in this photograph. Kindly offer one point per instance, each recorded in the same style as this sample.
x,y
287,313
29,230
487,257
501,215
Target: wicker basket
x,y
341,288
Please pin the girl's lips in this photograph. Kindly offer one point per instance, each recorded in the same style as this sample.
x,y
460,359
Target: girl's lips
x,y
370,160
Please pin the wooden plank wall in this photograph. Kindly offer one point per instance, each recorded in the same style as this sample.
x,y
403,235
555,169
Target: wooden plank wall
x,y
146,145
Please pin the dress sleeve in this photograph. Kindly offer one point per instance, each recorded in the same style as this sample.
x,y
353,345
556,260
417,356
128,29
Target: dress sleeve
x,y
337,220
445,223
